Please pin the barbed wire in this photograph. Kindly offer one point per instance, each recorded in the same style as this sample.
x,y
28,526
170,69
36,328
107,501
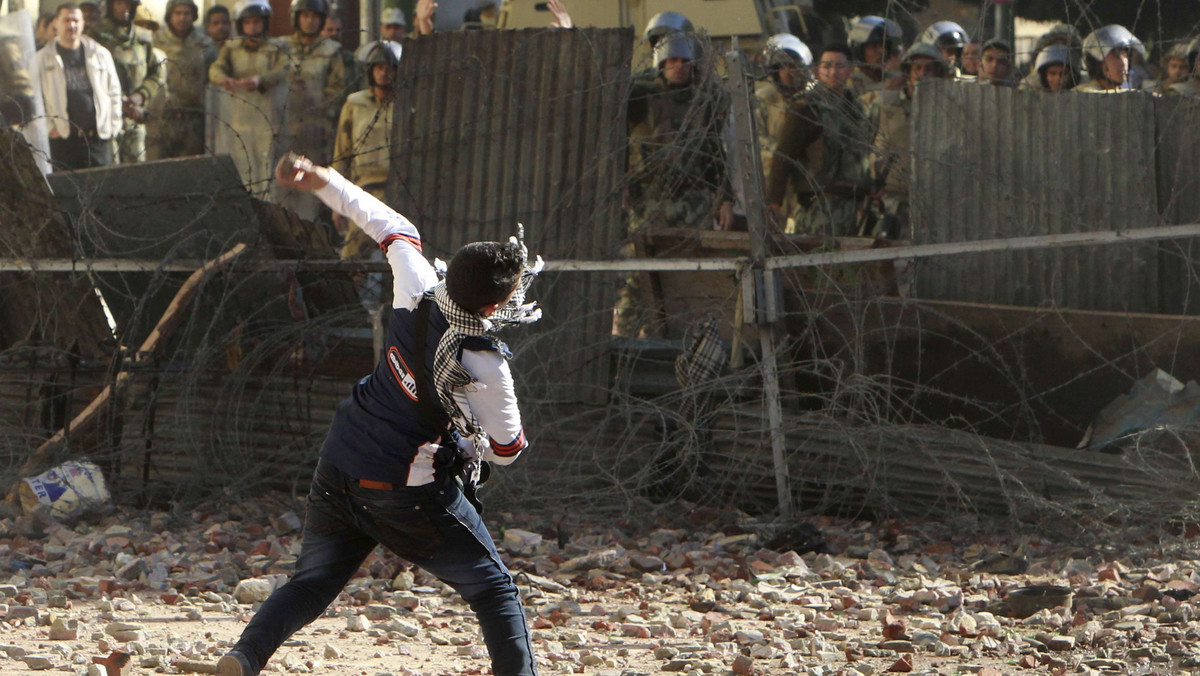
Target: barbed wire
x,y
239,397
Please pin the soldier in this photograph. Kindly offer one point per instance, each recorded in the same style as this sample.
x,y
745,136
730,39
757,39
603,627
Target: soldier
x,y
679,178
996,65
218,25
892,163
16,86
316,88
1106,55
92,18
142,72
250,67
970,60
1052,72
82,94
875,44
822,154
1176,68
179,130
1191,84
788,61
1059,34
363,145
948,38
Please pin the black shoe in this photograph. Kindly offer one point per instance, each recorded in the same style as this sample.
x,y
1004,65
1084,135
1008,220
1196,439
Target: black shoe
x,y
234,664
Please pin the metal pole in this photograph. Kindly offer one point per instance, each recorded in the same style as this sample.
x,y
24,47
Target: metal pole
x,y
748,161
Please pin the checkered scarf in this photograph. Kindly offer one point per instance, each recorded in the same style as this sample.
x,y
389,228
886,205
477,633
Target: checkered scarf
x,y
448,371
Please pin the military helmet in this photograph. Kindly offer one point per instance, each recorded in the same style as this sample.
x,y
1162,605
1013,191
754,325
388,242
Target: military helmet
x,y
378,52
945,35
392,15
665,23
172,4
251,8
870,30
996,43
133,8
921,49
1103,41
1052,55
319,6
674,46
785,49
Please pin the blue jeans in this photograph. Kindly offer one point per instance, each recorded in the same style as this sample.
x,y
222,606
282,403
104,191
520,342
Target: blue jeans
x,y
432,526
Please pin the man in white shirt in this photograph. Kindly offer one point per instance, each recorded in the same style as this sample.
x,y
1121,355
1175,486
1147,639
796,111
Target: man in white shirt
x,y
82,93
442,397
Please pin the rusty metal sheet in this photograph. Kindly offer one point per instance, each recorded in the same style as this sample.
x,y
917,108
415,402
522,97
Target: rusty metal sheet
x,y
495,128
992,163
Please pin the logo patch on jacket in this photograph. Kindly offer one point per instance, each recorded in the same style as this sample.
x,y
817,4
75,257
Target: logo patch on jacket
x,y
402,373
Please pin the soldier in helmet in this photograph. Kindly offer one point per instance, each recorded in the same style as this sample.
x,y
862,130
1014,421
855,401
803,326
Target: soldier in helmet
x,y
1106,55
996,65
822,152
316,88
876,44
142,72
1190,86
660,26
93,16
948,38
1059,34
16,85
892,156
1052,71
179,131
250,67
363,146
679,178
788,62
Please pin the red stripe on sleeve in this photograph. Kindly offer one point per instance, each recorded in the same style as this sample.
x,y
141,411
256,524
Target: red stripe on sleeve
x,y
510,449
397,236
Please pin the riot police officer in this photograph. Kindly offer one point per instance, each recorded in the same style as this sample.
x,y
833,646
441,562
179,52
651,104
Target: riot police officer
x,y
788,62
948,38
875,44
1106,53
250,67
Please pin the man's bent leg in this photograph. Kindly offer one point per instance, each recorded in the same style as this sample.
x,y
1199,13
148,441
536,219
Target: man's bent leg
x,y
332,550
467,560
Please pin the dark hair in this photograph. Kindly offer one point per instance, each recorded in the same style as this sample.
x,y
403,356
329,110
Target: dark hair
x,y
215,9
70,6
837,47
484,273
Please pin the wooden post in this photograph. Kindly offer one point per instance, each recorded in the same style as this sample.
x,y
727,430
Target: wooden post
x,y
747,160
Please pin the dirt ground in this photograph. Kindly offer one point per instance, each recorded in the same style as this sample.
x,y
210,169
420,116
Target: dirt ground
x,y
678,589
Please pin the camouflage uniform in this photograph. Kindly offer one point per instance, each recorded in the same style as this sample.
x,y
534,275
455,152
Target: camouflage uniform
x,y
179,130
1092,87
253,115
679,179
317,85
362,153
822,156
892,154
142,70
775,103
16,87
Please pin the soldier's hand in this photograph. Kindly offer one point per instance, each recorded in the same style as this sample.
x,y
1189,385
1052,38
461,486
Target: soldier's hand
x,y
299,172
562,18
230,84
54,132
425,9
251,83
725,216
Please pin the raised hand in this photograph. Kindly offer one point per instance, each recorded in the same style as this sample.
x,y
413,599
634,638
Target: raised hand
x,y
562,18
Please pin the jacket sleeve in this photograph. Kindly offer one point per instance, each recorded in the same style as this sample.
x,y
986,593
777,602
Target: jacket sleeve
x,y
492,399
396,235
114,89
343,141
277,73
156,75
221,69
797,133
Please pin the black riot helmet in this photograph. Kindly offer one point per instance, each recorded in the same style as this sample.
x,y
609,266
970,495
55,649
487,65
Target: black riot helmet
x,y
378,52
664,24
870,30
252,8
133,6
317,6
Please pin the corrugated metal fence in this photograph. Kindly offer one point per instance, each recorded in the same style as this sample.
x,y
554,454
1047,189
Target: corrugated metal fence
x,y
991,163
500,127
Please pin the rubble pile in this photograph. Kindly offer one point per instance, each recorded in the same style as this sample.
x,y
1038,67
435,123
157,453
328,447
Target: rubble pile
x,y
682,590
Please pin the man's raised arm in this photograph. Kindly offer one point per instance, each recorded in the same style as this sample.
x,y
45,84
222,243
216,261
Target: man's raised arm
x,y
413,274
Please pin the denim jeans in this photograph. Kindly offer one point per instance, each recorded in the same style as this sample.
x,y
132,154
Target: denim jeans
x,y
432,526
